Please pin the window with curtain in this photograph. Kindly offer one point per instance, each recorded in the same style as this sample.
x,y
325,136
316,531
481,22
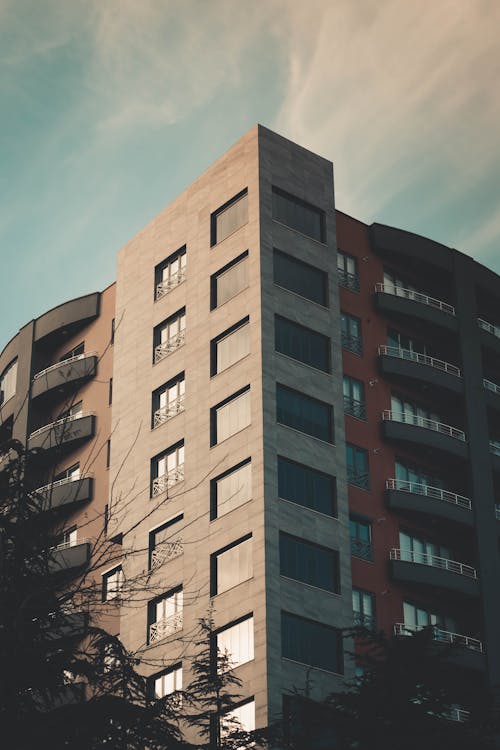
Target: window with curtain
x,y
299,215
309,562
358,470
301,278
347,267
311,642
231,566
354,397
301,343
416,477
237,642
231,489
417,617
231,416
304,413
420,550
307,487
229,281
350,333
409,412
239,719
230,346
363,605
229,217
168,682
361,538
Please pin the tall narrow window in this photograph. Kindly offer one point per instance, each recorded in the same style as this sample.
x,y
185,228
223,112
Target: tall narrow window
x,y
165,542
311,642
169,335
110,392
363,605
298,215
230,346
307,487
167,469
236,641
361,538
229,217
358,472
309,563
168,400
347,267
301,278
304,413
165,615
231,489
112,583
112,340
301,343
108,453
231,565
350,328
354,397
170,273
230,416
229,281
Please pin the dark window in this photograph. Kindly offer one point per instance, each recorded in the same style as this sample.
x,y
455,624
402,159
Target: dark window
x,y
8,380
231,565
354,397
169,335
309,563
358,472
307,487
231,489
229,217
229,281
110,392
164,543
361,538
363,605
311,642
230,346
351,333
307,723
230,416
302,343
112,582
299,215
301,278
347,267
304,413
112,331
74,352
108,453
168,400
170,273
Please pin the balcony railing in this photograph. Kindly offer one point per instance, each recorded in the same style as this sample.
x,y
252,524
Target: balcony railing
x,y
361,620
495,447
422,359
436,493
64,420
165,552
425,558
59,483
348,280
428,424
444,636
67,545
164,413
357,479
165,627
489,327
169,346
458,714
491,386
167,480
63,362
352,343
361,549
354,407
411,294
164,287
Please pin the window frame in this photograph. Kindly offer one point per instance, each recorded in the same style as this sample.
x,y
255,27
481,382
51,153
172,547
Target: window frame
x,y
164,388
160,267
228,626
348,279
221,336
332,480
105,583
321,626
214,305
152,546
301,264
294,200
214,559
326,341
305,397
218,211
214,507
357,543
335,562
213,416
358,450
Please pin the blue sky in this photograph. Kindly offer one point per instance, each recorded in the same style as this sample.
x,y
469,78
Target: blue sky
x,y
111,107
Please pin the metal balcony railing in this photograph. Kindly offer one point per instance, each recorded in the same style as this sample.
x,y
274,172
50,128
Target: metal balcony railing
x,y
361,549
165,627
164,413
357,479
169,346
411,294
67,545
63,362
354,407
164,287
491,386
436,493
59,483
428,424
165,552
352,343
421,359
348,280
361,620
489,327
459,714
425,558
495,447
167,480
64,420
444,636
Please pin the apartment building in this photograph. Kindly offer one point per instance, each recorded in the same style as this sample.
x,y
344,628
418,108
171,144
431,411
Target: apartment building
x,y
296,425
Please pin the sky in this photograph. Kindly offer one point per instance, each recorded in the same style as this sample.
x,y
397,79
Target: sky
x,y
110,108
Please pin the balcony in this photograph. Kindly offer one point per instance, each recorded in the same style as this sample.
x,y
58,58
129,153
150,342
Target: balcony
x,y
166,286
427,433
421,568
169,346
432,501
420,367
348,280
64,375
165,552
355,408
167,480
394,300
459,714
495,454
66,491
69,556
492,393
467,651
164,413
490,334
361,549
64,433
165,627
